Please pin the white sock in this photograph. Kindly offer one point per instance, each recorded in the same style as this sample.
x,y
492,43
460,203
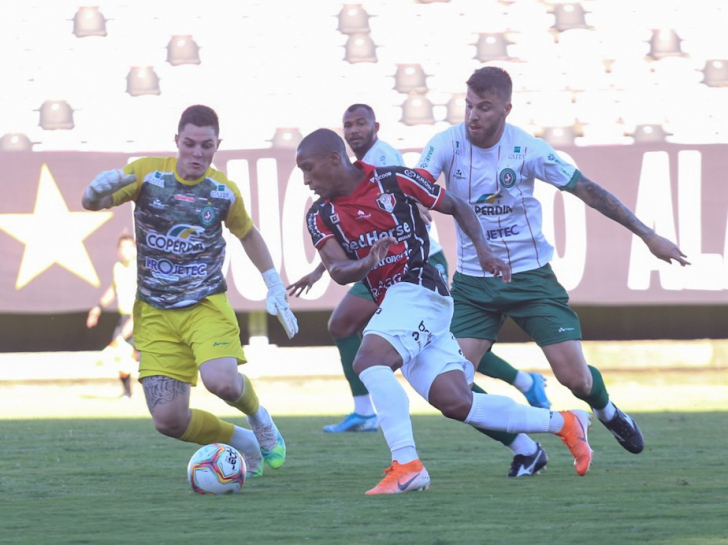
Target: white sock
x,y
260,419
503,414
363,405
246,443
392,406
523,382
404,455
556,422
607,413
524,445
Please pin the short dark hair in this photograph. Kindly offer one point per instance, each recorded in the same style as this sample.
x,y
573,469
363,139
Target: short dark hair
x,y
491,79
351,109
199,116
323,142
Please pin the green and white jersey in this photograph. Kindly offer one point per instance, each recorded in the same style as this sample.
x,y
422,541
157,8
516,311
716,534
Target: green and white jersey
x,y
179,236
498,183
382,154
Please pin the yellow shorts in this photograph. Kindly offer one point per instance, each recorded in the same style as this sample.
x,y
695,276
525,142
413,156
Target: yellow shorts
x,y
175,342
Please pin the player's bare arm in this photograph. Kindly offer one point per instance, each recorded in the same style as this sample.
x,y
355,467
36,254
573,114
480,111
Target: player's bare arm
x,y
306,282
257,250
344,270
605,202
128,330
468,221
106,299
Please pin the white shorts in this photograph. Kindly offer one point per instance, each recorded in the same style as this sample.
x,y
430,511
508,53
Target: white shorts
x,y
416,322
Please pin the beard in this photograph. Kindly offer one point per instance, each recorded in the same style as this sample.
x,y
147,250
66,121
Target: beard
x,y
485,137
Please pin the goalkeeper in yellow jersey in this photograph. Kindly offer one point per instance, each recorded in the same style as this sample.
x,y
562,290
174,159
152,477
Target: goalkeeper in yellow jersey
x,y
183,321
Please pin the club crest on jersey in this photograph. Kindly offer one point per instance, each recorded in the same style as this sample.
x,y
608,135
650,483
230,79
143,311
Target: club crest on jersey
x,y
386,202
207,215
334,218
507,178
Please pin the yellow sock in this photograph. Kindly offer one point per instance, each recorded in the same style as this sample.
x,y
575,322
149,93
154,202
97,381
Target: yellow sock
x,y
205,428
248,401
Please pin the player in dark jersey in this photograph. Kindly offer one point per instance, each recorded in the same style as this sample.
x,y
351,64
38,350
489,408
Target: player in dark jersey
x,y
366,226
183,321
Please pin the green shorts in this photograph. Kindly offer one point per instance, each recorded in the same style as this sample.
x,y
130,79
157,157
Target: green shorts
x,y
533,299
437,260
175,342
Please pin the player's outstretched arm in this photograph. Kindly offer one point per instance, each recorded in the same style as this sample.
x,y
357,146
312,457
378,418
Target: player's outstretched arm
x,y
276,302
99,192
606,203
469,223
306,282
344,270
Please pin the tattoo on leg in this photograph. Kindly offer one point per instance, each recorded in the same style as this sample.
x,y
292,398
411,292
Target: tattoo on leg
x,y
160,390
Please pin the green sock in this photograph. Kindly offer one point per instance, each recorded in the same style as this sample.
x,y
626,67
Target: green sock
x,y
500,436
598,397
493,366
348,347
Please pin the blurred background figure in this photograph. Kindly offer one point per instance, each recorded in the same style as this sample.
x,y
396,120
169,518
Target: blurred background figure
x,y
120,352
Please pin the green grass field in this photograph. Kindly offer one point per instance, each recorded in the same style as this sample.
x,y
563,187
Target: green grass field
x,y
118,481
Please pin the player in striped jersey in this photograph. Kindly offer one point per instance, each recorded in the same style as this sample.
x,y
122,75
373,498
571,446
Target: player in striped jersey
x,y
356,308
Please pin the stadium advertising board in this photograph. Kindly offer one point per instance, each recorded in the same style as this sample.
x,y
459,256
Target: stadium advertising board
x,y
56,256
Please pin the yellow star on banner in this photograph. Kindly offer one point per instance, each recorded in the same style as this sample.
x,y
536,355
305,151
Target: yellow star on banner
x,y
53,234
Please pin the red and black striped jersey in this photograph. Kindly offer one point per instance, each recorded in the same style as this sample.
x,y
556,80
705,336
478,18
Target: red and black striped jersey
x,y
385,203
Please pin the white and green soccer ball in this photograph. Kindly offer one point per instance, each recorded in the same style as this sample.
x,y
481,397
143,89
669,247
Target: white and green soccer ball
x,y
216,468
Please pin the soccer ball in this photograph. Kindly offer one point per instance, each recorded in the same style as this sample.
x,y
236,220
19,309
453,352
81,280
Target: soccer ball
x,y
216,469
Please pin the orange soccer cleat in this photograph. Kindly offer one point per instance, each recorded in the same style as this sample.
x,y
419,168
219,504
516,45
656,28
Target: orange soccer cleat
x,y
402,478
573,435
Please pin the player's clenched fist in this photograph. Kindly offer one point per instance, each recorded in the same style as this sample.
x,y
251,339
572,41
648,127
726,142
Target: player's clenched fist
x,y
109,182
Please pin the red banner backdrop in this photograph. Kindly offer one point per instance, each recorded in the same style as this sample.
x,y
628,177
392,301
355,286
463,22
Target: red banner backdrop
x,y
57,257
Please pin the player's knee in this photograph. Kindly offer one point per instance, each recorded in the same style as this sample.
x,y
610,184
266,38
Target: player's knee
x,y
457,411
340,327
225,390
454,407
171,426
579,385
359,365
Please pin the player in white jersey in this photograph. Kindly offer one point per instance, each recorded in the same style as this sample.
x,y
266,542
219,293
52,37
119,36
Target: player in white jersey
x,y
494,166
356,308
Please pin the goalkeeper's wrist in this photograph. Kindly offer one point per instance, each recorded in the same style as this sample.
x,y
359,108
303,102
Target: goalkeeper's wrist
x,y
271,277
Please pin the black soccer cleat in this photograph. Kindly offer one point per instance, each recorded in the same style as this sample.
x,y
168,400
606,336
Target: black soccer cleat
x,y
626,432
527,466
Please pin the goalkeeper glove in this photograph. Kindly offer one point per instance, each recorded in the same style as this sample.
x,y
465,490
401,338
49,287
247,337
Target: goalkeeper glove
x,y
107,183
276,302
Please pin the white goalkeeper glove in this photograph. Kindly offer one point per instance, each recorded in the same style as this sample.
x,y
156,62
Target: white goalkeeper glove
x,y
107,183
276,302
